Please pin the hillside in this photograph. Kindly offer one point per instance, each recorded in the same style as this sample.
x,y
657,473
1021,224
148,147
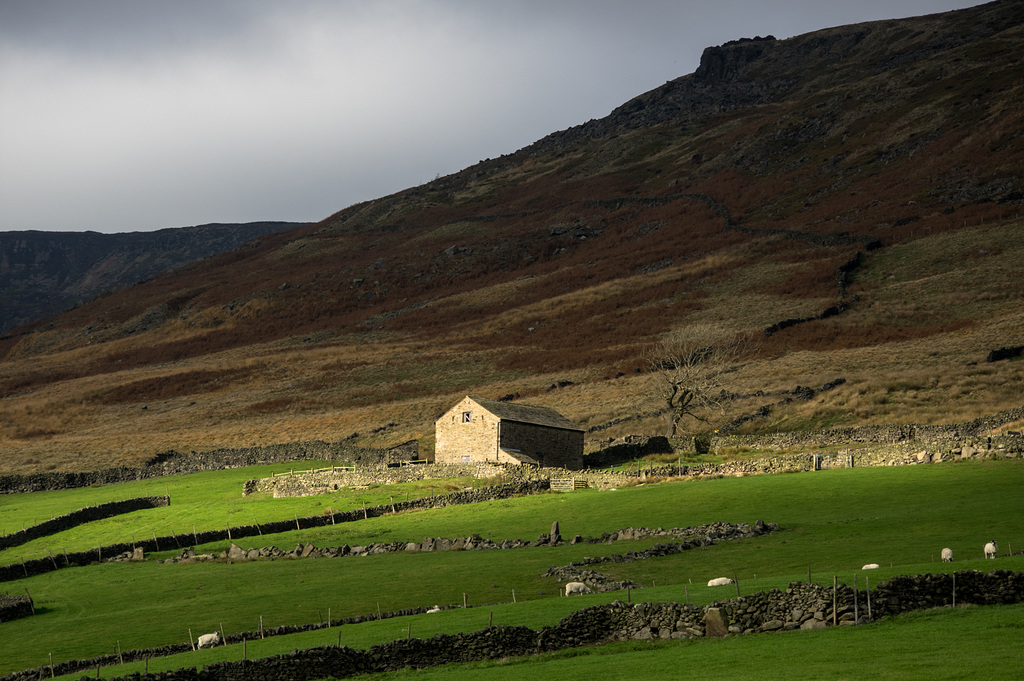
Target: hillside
x,y
42,273
855,192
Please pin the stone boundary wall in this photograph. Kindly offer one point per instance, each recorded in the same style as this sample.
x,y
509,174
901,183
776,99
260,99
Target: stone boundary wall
x,y
974,432
175,463
895,454
126,551
324,482
81,517
801,606
15,607
692,537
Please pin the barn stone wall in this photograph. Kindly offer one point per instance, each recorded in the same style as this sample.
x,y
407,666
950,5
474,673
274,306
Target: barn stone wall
x,y
552,447
460,441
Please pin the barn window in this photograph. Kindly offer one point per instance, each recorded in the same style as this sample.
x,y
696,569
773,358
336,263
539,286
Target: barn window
x,y
467,417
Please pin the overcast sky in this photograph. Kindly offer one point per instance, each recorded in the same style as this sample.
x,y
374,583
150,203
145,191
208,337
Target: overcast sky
x,y
128,115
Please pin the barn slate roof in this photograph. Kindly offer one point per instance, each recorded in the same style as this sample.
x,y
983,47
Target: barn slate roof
x,y
526,413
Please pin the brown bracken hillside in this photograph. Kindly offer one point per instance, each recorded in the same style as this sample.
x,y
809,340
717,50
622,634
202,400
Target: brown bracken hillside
x,y
849,198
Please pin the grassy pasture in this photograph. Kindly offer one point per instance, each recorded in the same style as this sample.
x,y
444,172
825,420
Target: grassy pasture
x,y
836,521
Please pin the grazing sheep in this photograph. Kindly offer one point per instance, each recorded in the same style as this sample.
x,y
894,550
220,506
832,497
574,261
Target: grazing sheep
x,y
577,588
991,548
209,640
436,608
720,581
870,566
947,555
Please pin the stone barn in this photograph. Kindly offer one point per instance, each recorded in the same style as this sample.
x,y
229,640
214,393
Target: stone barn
x,y
479,430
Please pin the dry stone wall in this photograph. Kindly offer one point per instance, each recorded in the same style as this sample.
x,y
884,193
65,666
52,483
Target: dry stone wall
x,y
15,607
895,454
175,463
692,537
80,517
886,454
974,432
327,481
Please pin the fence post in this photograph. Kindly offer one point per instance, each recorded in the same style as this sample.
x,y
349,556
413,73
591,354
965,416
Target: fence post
x,y
835,583
856,614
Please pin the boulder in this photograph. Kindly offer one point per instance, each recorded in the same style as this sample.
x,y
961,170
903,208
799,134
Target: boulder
x,y
715,623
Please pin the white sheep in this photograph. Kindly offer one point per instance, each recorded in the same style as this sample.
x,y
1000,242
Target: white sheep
x,y
577,588
870,566
991,548
436,608
947,555
209,640
720,581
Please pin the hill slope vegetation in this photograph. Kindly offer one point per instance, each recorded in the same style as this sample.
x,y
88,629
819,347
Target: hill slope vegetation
x,y
850,198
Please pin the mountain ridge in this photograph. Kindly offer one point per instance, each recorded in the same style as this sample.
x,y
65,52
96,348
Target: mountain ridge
x,y
42,273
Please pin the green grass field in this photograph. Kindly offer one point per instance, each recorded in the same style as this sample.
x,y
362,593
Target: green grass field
x,y
835,521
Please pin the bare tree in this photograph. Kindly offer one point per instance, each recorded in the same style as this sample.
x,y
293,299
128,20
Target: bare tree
x,y
689,366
